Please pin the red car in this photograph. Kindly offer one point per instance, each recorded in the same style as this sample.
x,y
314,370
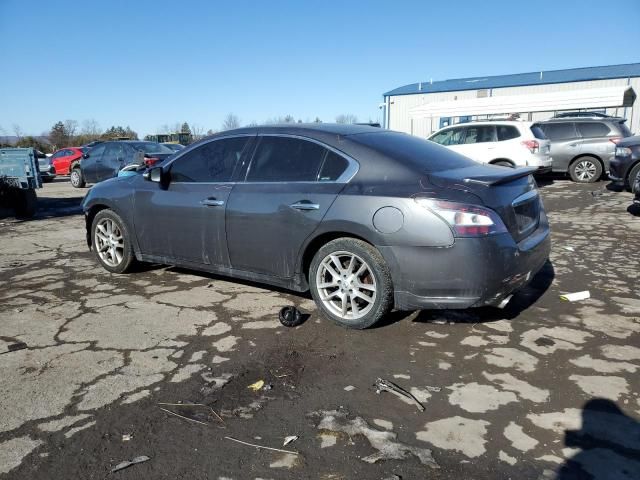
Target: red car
x,y
64,158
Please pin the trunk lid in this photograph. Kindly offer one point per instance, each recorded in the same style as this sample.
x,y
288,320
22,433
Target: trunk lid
x,y
510,192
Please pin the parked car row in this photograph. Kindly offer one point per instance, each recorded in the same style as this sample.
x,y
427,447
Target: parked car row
x,y
580,144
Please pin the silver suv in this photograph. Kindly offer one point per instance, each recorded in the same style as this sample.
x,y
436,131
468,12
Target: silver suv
x,y
584,146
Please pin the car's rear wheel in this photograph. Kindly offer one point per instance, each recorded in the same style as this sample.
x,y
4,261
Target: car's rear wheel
x,y
351,283
111,242
77,179
633,175
585,170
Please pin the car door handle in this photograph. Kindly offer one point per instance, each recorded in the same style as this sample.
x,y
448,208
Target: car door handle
x,y
305,205
212,202
573,144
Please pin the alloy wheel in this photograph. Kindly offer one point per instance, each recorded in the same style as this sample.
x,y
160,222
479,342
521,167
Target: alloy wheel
x,y
109,242
75,178
346,285
585,170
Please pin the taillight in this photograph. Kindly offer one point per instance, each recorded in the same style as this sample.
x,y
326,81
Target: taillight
x,y
532,145
465,220
615,140
150,161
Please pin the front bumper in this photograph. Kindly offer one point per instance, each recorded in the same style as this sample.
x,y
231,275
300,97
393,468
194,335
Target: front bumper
x,y
473,272
619,168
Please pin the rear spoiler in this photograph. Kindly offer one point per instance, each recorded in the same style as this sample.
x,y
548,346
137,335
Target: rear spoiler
x,y
490,180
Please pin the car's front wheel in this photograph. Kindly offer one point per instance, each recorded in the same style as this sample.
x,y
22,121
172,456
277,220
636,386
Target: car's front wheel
x,y
633,176
77,179
111,242
351,283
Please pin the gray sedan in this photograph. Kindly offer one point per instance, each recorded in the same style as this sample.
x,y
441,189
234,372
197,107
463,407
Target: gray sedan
x,y
367,219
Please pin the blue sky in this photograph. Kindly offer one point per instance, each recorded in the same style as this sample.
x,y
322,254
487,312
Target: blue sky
x,y
150,63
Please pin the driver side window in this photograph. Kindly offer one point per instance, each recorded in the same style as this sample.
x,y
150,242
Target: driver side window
x,y
209,163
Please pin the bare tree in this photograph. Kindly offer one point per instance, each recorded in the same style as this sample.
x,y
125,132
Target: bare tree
x,y
71,126
346,118
252,124
17,130
197,132
164,128
90,128
231,121
211,132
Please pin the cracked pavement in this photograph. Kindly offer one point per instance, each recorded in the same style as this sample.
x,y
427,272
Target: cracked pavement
x,y
541,389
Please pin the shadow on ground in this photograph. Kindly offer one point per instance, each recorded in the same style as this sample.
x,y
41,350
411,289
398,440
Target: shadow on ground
x,y
609,441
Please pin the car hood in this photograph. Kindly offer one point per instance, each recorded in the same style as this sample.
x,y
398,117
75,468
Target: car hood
x,y
629,141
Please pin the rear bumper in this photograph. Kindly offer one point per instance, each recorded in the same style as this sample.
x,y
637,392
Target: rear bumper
x,y
473,272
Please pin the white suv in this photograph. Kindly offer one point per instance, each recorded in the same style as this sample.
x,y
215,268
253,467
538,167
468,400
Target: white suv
x,y
506,142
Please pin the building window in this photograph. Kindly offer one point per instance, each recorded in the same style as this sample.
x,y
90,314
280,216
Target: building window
x,y
445,122
464,119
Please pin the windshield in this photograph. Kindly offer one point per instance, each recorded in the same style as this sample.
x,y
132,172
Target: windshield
x,y
426,155
150,147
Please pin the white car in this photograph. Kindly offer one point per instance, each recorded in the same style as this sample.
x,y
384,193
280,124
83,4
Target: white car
x,y
508,143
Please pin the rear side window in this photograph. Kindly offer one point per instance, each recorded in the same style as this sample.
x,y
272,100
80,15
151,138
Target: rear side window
x,y
507,132
624,130
413,151
593,129
538,132
211,162
334,166
559,131
453,136
97,151
480,134
283,159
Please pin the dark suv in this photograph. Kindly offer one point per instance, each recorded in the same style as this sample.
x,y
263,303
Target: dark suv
x,y
625,167
106,159
583,147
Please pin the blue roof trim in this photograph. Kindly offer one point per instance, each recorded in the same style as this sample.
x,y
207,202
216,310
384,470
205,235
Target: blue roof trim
x,y
522,79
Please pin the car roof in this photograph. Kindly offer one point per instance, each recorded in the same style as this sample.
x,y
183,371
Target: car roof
x,y
583,119
304,128
492,122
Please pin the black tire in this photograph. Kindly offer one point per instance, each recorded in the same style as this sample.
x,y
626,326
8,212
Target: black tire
x,y
586,169
26,203
503,163
128,257
376,267
77,178
633,175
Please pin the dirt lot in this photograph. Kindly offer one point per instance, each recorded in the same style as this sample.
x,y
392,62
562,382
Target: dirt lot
x,y
542,389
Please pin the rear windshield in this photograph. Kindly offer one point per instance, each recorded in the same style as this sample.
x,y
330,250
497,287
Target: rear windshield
x,y
537,132
150,147
624,130
425,155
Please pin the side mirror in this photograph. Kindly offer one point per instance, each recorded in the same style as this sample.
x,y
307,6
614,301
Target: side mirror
x,y
85,155
153,174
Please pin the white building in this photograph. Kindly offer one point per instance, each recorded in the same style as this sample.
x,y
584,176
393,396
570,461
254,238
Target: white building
x,y
422,108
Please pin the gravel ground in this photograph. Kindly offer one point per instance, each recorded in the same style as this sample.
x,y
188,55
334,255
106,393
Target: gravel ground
x,y
542,389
